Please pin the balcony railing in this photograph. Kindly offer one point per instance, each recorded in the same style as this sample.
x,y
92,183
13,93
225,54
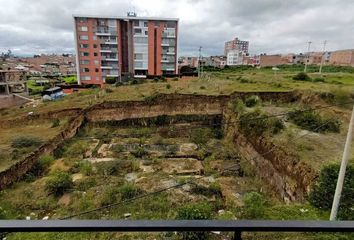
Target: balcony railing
x,y
236,227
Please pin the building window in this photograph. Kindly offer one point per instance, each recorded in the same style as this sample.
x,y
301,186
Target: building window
x,y
84,54
85,70
94,45
85,78
142,40
136,23
138,56
157,23
96,62
137,31
96,70
94,37
145,24
84,45
171,25
82,20
83,37
146,32
95,54
83,29
84,62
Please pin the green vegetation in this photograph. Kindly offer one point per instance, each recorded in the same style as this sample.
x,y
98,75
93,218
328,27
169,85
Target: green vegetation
x,y
111,80
252,101
26,141
322,193
313,121
58,183
257,124
198,211
301,76
254,207
69,79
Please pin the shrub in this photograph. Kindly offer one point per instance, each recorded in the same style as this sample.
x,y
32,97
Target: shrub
x,y
42,165
113,167
237,106
312,121
199,211
134,82
85,184
86,168
77,149
168,86
109,196
139,152
254,207
321,195
319,79
257,124
156,79
55,123
111,80
58,183
26,141
201,136
202,87
301,76
129,191
213,190
252,101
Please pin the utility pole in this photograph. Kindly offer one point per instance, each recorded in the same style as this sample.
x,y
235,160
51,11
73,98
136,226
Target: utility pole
x,y
200,67
343,166
308,56
322,59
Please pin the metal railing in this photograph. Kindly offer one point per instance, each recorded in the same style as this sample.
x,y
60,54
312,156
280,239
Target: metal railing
x,y
237,227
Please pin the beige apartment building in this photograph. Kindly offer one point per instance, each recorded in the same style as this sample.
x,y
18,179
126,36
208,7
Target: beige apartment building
x,y
342,58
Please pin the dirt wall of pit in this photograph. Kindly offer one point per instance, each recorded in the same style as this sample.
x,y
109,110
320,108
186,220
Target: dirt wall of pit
x,y
19,169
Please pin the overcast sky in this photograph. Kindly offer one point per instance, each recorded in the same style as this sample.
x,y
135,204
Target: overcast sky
x,y
271,26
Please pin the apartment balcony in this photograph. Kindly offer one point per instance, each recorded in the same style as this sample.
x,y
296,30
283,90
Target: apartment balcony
x,y
106,33
105,50
109,42
107,67
169,53
168,34
114,59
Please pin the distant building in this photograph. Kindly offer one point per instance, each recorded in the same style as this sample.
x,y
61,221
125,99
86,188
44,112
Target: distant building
x,y
188,61
236,44
342,58
271,60
234,57
123,47
215,61
13,81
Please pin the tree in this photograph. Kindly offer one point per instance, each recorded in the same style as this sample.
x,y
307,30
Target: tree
x,y
254,206
321,195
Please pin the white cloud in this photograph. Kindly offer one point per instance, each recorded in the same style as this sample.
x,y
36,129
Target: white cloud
x,y
273,26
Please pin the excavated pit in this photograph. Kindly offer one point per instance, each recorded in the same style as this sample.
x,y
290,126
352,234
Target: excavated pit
x,y
173,116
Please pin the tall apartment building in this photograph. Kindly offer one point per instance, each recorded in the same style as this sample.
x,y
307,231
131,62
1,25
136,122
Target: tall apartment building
x,y
236,44
122,47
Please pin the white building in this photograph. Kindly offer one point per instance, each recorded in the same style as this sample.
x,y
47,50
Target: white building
x,y
234,57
